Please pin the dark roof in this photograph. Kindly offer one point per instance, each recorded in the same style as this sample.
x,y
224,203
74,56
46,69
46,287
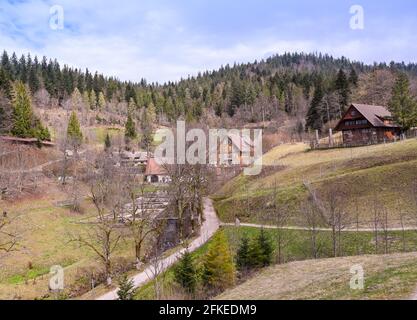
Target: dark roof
x,y
374,114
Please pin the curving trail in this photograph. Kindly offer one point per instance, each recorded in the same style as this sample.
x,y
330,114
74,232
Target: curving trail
x,y
260,226
208,229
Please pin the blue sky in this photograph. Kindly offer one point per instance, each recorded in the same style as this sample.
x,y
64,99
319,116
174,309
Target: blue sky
x,y
163,40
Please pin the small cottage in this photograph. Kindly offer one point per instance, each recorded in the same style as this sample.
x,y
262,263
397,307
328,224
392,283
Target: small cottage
x,y
367,124
155,173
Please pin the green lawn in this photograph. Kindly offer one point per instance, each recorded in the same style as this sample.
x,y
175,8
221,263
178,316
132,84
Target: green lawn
x,y
296,249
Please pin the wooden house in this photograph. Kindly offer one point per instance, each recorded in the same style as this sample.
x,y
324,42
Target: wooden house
x,y
367,124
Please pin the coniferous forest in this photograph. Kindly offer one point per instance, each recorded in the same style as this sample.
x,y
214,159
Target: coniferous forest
x,y
310,89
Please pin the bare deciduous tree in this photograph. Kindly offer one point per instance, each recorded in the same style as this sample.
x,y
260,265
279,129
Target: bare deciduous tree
x,y
279,217
8,238
142,220
312,219
333,215
103,235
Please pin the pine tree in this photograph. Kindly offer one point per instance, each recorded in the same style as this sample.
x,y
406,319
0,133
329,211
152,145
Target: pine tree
x,y
25,124
185,273
130,128
260,251
86,99
343,89
107,142
74,133
40,132
218,267
151,113
314,115
5,85
93,100
34,83
243,254
101,101
402,105
126,289
76,100
22,111
353,77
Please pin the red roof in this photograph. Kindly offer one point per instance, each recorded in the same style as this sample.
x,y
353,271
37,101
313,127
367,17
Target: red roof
x,y
154,169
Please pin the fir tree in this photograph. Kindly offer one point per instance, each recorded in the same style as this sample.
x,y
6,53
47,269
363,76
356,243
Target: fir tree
x,y
25,124
126,289
260,252
130,128
353,77
343,89
402,105
34,83
5,83
101,101
92,100
107,142
22,111
74,133
185,273
314,116
218,267
243,254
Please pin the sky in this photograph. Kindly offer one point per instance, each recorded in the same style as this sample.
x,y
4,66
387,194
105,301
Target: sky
x,y
166,40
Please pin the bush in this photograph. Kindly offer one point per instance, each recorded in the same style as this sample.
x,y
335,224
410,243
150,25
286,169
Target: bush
x,y
243,255
260,251
185,273
126,289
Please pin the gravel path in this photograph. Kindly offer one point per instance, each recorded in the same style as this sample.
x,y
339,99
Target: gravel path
x,y
209,227
259,226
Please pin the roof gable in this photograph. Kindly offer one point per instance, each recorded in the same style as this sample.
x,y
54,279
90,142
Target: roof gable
x,y
374,114
153,168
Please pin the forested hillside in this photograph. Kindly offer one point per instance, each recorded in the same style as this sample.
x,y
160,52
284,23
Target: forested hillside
x,y
309,90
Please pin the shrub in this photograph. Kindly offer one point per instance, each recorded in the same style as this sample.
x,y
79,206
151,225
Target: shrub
x,y
126,289
185,273
218,268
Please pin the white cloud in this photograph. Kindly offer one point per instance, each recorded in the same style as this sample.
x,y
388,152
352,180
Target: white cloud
x,y
132,41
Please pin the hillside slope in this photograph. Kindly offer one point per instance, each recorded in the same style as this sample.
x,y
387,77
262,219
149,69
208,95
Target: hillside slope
x,y
383,174
386,277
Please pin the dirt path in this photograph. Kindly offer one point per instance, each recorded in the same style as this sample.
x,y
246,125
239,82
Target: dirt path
x,y
209,227
259,226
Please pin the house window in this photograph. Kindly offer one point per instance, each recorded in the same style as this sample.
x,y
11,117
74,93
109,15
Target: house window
x,y
356,122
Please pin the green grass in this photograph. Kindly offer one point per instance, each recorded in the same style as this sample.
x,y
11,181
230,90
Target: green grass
x,y
296,249
392,283
47,232
361,175
98,134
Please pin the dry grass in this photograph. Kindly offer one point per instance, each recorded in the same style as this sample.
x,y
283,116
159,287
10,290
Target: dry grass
x,y
47,231
386,277
382,172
